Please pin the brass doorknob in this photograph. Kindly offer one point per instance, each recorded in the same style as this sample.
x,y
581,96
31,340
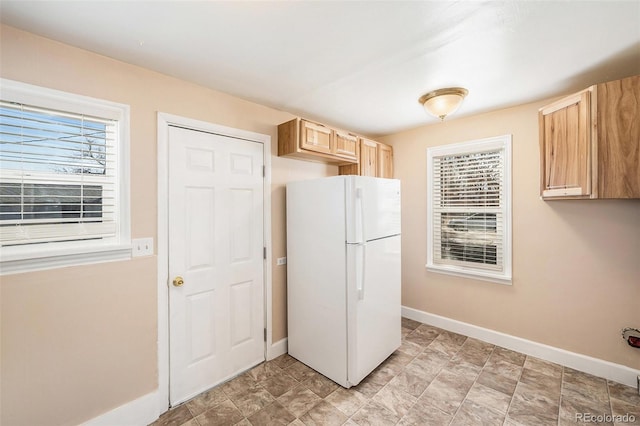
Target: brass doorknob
x,y
178,281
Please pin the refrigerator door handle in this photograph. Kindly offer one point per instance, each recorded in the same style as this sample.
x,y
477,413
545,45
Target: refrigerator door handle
x,y
360,199
362,243
363,266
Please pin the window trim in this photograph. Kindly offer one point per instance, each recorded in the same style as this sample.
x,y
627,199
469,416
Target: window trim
x,y
40,256
488,144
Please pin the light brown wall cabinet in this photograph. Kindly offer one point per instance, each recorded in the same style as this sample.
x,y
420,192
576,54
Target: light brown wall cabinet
x,y
304,139
590,143
376,159
368,158
385,161
346,144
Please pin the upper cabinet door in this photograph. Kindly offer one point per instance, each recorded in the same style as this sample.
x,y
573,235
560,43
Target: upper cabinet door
x,y
346,145
316,137
565,147
385,161
368,157
618,136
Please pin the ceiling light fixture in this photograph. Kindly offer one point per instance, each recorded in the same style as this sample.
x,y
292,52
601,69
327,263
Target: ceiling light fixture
x,y
443,102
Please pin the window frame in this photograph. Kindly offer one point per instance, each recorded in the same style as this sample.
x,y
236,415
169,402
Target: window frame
x,y
497,143
39,256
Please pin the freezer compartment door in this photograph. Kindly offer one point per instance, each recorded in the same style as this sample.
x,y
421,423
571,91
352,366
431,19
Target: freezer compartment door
x,y
374,310
373,208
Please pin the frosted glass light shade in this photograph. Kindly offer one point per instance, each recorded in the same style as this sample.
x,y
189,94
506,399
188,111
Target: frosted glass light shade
x,y
443,102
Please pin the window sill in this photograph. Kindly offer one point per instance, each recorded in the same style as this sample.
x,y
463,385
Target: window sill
x,y
21,259
478,275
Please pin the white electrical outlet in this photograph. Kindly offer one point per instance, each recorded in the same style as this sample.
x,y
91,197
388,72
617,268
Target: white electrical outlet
x,y
142,247
281,261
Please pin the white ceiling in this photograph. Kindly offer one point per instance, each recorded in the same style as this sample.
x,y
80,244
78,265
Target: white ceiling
x,y
359,65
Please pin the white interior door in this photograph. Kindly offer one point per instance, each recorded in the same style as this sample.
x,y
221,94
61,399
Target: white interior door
x,y
216,316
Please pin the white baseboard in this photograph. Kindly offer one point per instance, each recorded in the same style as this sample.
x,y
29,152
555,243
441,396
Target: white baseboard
x,y
277,349
145,410
597,367
139,412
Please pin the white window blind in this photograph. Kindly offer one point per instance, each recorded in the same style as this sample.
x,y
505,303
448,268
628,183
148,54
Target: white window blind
x,y
469,208
64,179
57,175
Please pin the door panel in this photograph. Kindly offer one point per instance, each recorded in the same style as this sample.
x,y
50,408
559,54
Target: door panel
x,y
385,161
381,203
241,238
374,317
199,233
216,317
241,314
368,158
346,145
201,323
567,154
316,137
373,208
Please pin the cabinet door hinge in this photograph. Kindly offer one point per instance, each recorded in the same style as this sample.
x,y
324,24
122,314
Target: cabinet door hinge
x,y
264,171
264,253
265,334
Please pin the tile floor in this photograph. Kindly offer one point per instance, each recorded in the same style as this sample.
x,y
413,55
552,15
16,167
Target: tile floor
x,y
435,378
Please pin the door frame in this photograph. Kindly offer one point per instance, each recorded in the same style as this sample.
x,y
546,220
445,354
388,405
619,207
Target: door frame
x,y
164,121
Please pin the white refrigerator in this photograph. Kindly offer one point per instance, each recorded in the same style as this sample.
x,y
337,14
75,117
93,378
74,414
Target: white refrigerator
x,y
343,274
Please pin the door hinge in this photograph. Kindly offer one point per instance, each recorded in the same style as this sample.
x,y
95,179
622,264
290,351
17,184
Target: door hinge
x,y
265,334
264,253
264,171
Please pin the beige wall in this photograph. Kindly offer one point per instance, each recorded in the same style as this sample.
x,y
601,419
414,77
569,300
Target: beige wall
x,y
576,264
77,342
